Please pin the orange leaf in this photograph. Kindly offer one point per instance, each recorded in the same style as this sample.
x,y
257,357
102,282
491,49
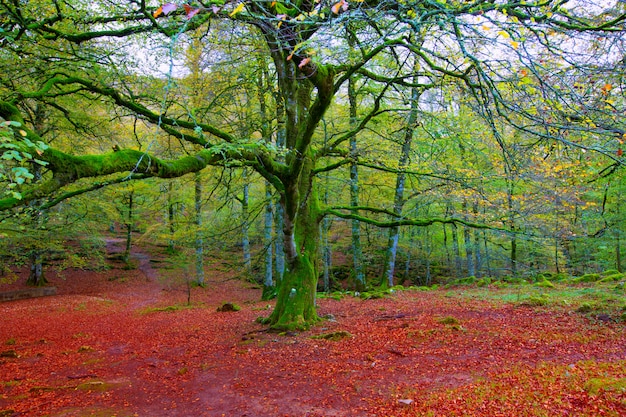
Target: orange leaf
x,y
620,152
337,6
191,12
304,62
158,12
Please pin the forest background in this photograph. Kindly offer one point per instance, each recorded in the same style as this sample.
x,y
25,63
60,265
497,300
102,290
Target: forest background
x,y
330,145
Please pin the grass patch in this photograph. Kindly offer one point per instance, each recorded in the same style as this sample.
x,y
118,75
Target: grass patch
x,y
573,295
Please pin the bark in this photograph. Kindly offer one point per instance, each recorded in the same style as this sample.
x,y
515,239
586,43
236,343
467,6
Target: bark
x,y
357,251
398,201
171,218
199,240
268,279
295,304
245,226
129,227
477,253
469,254
458,269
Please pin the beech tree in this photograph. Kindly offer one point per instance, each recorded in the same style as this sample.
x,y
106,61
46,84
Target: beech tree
x,y
545,67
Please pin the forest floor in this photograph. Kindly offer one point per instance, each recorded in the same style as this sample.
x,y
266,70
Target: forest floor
x,y
124,343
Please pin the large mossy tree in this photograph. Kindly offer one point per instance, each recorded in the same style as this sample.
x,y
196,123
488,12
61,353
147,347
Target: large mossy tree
x,y
516,61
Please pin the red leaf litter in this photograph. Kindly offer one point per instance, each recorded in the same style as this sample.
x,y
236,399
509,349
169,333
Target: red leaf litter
x,y
107,345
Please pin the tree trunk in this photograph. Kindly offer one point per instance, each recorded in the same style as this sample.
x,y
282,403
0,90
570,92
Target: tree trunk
x,y
199,240
398,200
36,276
295,304
38,217
129,227
616,230
171,218
357,252
469,254
476,233
245,226
269,290
457,253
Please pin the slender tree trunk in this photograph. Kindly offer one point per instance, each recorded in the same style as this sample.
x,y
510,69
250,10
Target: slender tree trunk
x,y
129,227
457,252
171,218
38,217
268,281
357,252
476,233
512,227
398,201
326,248
279,249
556,231
447,247
616,229
199,239
469,255
245,225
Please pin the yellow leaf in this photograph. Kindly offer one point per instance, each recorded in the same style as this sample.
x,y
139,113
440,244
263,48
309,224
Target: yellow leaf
x,y
22,132
514,44
504,34
237,10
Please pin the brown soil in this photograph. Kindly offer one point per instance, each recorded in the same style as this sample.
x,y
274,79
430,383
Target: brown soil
x,y
102,347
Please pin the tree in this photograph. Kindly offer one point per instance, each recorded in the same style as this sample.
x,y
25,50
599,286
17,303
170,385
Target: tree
x,y
502,54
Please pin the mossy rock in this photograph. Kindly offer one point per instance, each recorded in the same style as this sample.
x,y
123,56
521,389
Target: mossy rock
x,y
483,282
586,308
374,295
595,385
544,284
537,301
334,336
609,272
449,320
226,307
612,278
588,278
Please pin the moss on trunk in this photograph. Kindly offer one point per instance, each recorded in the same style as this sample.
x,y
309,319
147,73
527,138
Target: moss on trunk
x,y
295,305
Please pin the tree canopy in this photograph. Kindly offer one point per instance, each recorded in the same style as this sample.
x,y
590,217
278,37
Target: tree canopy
x,y
111,75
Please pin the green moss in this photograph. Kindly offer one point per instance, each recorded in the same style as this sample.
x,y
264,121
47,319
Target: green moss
x,y
483,282
334,336
585,308
167,309
587,278
544,284
228,307
537,300
595,385
449,320
612,277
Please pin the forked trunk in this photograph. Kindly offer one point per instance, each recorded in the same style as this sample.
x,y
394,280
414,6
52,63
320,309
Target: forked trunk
x,y
295,303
